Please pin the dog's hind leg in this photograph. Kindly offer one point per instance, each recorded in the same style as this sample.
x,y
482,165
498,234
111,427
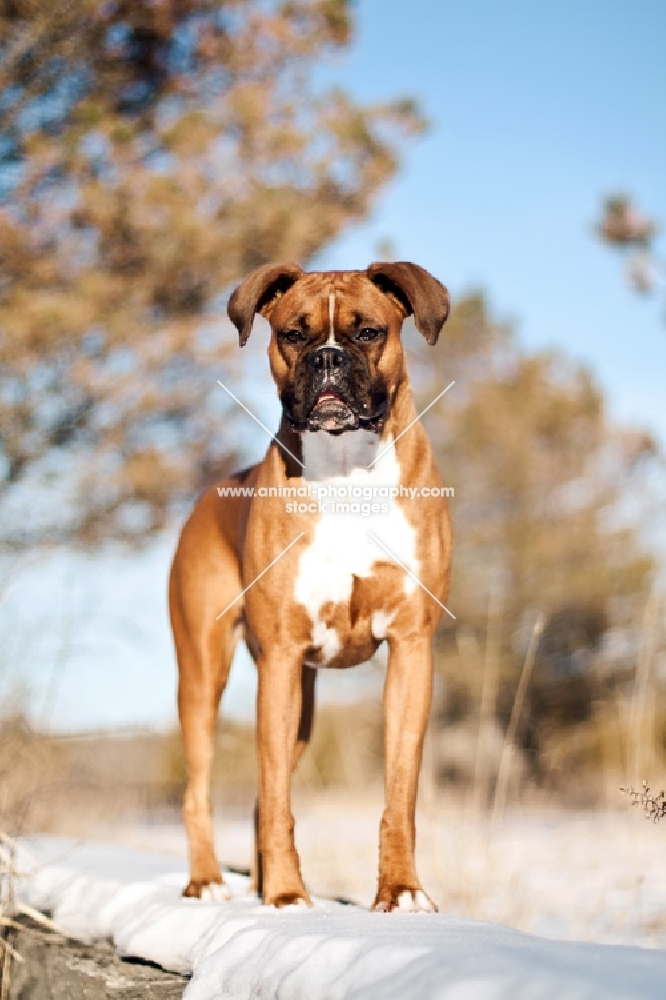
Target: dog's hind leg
x,y
202,584
203,676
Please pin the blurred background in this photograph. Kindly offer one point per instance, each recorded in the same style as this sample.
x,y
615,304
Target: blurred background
x,y
153,152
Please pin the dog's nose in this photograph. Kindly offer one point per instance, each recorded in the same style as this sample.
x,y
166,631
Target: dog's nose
x,y
328,360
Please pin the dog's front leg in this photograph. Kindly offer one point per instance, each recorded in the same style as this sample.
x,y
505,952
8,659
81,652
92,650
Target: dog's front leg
x,y
279,705
407,697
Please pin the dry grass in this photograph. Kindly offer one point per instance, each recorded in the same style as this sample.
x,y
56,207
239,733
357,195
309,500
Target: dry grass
x,y
77,785
653,806
477,751
510,747
488,702
12,909
641,722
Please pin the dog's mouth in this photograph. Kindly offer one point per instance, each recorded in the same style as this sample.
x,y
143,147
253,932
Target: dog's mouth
x,y
331,413
326,395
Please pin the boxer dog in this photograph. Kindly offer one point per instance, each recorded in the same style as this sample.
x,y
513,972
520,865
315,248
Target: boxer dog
x,y
323,582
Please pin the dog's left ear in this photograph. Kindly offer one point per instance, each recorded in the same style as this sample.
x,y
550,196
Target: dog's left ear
x,y
258,293
417,292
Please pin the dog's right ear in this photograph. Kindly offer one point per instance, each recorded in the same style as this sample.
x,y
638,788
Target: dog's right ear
x,y
258,294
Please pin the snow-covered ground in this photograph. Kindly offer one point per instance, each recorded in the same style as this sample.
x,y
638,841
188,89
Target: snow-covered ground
x,y
591,877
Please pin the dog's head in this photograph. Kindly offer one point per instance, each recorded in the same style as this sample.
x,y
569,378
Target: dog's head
x,y
335,349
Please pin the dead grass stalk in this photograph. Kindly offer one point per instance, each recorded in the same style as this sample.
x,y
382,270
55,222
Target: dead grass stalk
x,y
488,700
509,746
641,735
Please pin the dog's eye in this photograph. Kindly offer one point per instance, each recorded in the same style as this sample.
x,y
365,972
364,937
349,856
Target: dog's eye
x,y
368,333
292,336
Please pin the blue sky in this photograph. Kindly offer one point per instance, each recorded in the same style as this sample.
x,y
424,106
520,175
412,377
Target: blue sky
x,y
537,110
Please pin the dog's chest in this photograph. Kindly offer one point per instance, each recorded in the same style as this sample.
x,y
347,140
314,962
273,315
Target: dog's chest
x,y
350,537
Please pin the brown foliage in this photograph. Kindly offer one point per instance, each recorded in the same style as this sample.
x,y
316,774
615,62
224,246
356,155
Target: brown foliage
x,y
549,514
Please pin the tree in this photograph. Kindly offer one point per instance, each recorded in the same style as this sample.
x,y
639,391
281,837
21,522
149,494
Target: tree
x,y
541,475
152,152
550,508
628,231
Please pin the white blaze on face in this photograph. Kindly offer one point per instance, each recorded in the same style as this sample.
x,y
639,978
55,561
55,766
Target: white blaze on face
x,y
331,319
341,547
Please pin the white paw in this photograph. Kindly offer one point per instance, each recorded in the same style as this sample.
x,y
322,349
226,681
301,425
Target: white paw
x,y
215,892
298,904
408,902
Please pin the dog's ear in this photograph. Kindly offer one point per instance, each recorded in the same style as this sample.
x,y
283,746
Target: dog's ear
x,y
258,293
417,292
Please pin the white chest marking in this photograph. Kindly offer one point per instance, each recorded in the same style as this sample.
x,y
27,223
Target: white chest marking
x,y
331,319
380,623
341,547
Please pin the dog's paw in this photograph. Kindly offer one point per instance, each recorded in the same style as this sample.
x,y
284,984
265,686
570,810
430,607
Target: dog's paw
x,y
292,903
289,900
403,900
207,892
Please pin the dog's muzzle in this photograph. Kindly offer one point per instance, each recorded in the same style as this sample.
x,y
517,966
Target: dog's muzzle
x,y
330,391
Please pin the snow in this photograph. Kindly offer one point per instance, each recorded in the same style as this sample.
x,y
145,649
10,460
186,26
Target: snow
x,y
594,875
240,949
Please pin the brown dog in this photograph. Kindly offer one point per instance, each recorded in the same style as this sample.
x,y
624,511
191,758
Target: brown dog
x,y
324,580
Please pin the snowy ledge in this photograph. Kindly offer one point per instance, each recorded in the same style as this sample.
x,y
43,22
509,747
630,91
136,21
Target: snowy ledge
x,y
240,949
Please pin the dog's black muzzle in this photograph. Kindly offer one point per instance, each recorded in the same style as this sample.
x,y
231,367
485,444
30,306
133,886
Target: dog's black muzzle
x,y
330,395
335,394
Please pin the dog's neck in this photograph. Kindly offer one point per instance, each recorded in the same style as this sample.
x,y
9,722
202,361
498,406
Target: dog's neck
x,y
318,456
332,456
